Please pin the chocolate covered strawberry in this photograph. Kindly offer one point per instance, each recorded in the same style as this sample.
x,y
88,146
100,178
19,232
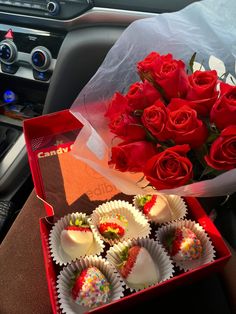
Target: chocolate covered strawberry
x,y
137,267
91,288
113,227
183,244
76,239
155,207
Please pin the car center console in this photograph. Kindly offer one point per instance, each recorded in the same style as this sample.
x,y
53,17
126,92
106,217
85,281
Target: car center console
x,y
27,61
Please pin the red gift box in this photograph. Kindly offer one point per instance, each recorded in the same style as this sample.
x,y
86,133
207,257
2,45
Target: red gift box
x,y
65,184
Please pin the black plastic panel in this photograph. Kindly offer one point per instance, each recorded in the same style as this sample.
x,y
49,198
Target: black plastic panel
x,y
81,54
157,6
8,136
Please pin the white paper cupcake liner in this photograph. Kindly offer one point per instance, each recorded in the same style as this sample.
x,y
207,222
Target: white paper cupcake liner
x,y
58,254
159,255
138,225
177,206
208,253
67,304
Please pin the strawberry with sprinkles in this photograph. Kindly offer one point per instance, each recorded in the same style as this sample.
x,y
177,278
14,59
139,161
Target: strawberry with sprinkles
x,y
91,288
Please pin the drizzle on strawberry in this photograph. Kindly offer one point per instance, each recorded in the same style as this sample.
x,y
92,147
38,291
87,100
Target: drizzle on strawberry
x,y
147,206
79,283
129,263
75,228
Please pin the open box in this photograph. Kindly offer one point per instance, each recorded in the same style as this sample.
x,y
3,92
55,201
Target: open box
x,y
66,185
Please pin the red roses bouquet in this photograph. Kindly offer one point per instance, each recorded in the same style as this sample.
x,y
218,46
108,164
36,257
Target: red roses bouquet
x,y
176,126
156,121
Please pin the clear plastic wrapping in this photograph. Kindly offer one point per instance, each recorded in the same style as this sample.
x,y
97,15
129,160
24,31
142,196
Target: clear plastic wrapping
x,y
197,28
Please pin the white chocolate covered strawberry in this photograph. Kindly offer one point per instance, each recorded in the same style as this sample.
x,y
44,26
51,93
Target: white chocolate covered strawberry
x,y
183,244
155,207
76,239
91,288
138,268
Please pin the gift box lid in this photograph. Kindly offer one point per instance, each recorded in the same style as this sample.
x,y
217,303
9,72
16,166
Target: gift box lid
x,y
58,177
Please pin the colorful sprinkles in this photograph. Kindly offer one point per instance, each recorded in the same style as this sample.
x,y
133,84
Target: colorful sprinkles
x,y
91,289
190,247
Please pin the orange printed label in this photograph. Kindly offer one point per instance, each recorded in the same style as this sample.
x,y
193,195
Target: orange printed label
x,y
71,175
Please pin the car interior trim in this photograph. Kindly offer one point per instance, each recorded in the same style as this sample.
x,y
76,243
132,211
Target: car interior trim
x,y
93,16
19,29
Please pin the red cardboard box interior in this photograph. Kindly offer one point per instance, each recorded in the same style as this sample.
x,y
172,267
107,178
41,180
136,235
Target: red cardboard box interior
x,y
67,185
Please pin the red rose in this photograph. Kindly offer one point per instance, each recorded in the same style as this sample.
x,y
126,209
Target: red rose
x,y
198,105
154,118
165,72
131,156
223,113
224,87
170,168
222,154
141,95
203,90
184,127
127,127
118,105
146,65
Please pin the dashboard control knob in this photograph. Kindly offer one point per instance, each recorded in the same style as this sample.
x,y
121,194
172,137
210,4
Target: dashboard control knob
x,y
40,58
8,51
53,7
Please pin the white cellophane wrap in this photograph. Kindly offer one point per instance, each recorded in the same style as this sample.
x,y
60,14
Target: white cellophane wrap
x,y
197,28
